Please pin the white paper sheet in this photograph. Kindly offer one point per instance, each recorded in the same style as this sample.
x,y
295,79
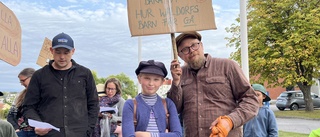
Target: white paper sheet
x,y
40,124
109,109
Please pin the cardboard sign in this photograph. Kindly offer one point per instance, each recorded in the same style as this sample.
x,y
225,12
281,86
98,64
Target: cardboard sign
x,y
147,17
10,36
45,53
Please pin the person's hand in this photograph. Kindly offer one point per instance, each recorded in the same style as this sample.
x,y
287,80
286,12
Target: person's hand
x,y
109,115
17,130
176,72
100,115
142,134
221,127
42,131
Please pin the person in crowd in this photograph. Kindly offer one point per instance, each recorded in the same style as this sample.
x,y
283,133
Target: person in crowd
x,y
146,115
112,89
264,124
63,94
267,103
212,94
15,116
6,129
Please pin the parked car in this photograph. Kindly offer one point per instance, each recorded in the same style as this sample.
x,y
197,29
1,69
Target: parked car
x,y
294,100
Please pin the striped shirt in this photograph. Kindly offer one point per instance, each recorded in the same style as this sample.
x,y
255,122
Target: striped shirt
x,y
152,125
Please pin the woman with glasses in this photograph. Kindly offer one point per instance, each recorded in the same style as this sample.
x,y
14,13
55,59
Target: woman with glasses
x,y
15,117
112,88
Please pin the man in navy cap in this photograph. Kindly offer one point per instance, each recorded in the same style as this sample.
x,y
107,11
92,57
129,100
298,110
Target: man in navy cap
x,y
63,93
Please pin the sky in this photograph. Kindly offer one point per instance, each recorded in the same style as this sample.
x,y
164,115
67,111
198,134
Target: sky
x,y
102,37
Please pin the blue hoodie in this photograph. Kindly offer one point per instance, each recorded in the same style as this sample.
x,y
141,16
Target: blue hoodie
x,y
262,125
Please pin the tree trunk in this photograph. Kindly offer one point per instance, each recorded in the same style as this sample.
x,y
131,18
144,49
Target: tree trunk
x,y
306,96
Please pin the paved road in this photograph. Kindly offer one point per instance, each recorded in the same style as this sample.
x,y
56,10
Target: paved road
x,y
296,125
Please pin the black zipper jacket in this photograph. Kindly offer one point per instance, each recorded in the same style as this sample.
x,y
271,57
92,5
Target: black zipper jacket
x,y
69,102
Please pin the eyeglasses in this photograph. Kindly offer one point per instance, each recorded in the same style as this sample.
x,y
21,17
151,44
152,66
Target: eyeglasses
x,y
110,89
23,80
194,46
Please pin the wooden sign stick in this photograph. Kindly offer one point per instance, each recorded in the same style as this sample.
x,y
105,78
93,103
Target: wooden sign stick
x,y
174,46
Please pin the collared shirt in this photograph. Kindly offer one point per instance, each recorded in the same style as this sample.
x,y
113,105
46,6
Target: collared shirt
x,y
218,88
69,102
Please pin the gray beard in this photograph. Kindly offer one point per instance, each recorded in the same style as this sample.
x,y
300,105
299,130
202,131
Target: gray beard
x,y
197,64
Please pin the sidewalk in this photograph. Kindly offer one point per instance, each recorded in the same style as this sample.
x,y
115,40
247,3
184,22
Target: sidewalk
x,y
297,125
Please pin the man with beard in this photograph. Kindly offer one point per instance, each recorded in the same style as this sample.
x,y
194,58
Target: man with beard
x,y
212,94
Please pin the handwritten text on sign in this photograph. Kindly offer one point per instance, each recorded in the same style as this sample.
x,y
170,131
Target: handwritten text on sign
x,y
10,36
148,17
45,54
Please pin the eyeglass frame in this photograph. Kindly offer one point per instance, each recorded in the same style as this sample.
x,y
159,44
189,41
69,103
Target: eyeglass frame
x,y
111,89
191,47
24,80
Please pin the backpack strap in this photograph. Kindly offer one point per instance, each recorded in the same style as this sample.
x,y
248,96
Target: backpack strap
x,y
164,102
134,112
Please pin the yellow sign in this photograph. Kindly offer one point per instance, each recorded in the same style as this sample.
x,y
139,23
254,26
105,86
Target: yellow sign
x,y
10,36
45,53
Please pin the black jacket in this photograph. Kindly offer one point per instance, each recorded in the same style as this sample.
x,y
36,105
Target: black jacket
x,y
13,117
68,102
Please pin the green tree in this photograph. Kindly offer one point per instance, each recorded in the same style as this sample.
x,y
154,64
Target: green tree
x,y
129,89
284,43
96,79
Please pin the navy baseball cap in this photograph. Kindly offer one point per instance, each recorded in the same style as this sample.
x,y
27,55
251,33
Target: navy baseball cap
x,y
62,40
152,67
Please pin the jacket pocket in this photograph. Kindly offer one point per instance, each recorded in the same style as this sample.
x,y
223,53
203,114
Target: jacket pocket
x,y
216,80
186,82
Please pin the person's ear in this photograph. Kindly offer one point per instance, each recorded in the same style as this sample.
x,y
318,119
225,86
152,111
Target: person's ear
x,y
139,78
51,49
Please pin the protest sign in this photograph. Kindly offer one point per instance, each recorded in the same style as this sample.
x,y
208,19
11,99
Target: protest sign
x,y
45,53
147,17
10,36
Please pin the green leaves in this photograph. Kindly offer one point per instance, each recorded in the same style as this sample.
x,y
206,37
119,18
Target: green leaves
x,y
284,41
129,89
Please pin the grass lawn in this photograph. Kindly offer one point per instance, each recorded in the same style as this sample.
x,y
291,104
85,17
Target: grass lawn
x,y
291,134
299,114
